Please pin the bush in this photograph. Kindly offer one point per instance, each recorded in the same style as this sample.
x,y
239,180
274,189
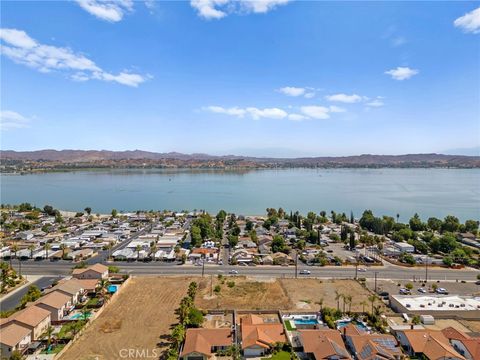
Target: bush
x,y
217,289
231,284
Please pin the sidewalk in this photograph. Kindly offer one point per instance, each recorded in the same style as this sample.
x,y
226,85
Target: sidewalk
x,y
29,278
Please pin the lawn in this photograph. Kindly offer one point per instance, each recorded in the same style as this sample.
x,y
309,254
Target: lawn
x,y
281,355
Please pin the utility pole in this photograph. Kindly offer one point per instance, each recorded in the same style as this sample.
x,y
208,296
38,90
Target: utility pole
x,y
203,267
356,267
296,265
426,267
20,267
376,272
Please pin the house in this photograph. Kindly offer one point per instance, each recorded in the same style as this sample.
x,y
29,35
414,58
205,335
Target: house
x,y
432,344
32,317
57,303
14,337
468,346
80,254
89,285
72,288
323,344
282,259
97,271
201,344
259,337
365,346
404,247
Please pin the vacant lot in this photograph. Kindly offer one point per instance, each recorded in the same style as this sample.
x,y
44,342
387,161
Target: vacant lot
x,y
246,294
143,312
305,294
279,294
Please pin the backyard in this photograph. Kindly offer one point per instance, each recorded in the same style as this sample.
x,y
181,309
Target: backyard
x,y
136,319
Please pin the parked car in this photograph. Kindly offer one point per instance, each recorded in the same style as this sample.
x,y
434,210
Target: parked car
x,y
233,272
442,291
422,290
305,272
384,293
362,270
404,291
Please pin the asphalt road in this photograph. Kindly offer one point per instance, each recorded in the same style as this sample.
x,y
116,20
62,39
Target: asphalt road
x,y
158,268
11,301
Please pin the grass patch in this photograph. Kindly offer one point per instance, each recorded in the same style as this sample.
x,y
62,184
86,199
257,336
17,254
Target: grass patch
x,y
288,325
281,355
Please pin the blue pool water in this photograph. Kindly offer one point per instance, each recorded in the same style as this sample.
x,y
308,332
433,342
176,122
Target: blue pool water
x,y
342,324
79,316
112,289
306,322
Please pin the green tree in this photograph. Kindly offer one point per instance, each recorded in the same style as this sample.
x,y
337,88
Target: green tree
x,y
416,223
88,210
114,213
434,224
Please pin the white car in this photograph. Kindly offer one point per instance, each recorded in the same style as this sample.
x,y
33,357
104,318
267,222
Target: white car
x,y
362,270
422,290
442,291
305,272
233,272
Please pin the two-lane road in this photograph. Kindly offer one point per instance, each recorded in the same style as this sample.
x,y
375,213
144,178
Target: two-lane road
x,y
156,268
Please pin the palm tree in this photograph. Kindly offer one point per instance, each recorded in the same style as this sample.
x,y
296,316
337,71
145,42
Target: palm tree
x,y
102,288
137,249
320,302
398,216
348,299
344,298
178,334
363,303
338,296
63,247
31,248
14,248
85,313
153,250
46,247
49,333
372,299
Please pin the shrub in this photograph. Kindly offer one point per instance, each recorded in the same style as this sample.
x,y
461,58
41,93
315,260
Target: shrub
x,y
231,284
217,289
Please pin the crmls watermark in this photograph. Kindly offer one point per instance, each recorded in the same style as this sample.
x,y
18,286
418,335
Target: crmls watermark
x,y
139,353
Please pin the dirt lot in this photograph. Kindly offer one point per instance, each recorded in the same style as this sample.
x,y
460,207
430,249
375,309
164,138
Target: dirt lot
x,y
245,295
281,294
136,319
306,293
143,312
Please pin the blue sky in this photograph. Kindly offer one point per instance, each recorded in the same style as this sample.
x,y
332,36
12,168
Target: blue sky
x,y
272,78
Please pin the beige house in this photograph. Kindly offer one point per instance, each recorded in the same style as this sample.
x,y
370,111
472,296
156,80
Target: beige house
x,y
14,337
57,303
97,271
32,317
72,288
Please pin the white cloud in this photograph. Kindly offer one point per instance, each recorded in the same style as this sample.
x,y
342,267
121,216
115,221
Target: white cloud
x,y
470,22
401,73
12,120
306,92
234,111
316,112
336,109
262,6
109,10
268,113
344,98
297,117
292,91
217,9
375,103
22,49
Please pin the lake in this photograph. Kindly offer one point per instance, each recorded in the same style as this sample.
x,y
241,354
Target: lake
x,y
430,192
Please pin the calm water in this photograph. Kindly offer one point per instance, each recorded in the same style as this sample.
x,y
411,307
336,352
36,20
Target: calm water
x,y
430,192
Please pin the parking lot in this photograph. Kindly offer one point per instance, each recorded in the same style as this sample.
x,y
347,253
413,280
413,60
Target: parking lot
x,y
457,288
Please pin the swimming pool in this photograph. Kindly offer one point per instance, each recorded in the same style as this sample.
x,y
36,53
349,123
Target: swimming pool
x,y
305,321
360,326
80,316
112,289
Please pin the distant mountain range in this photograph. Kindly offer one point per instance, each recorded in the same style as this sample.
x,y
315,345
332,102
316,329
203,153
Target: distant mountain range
x,y
137,158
